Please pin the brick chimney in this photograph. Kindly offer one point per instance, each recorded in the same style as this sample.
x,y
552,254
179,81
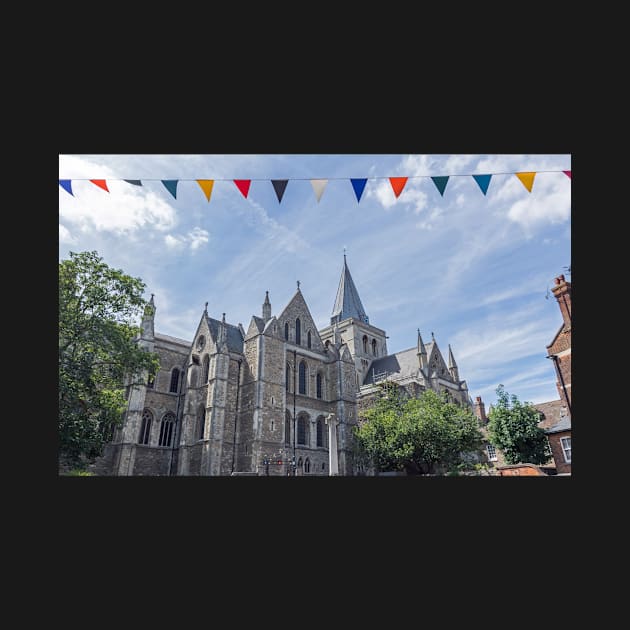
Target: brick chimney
x,y
562,292
480,410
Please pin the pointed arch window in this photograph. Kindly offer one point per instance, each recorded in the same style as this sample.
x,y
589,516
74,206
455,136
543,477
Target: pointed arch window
x,y
374,347
287,378
319,385
365,344
286,331
302,433
145,429
298,332
307,465
320,431
302,377
287,427
308,339
174,380
201,424
166,429
300,466
206,369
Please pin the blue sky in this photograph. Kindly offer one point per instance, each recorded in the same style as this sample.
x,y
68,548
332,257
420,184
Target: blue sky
x,y
472,269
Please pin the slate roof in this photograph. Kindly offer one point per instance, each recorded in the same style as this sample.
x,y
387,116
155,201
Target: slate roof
x,y
400,364
347,303
563,425
234,336
551,410
260,323
159,336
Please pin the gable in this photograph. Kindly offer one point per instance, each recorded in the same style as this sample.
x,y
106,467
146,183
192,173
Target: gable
x,y
437,363
297,308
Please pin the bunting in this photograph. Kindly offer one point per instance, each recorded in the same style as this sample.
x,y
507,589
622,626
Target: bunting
x,y
319,185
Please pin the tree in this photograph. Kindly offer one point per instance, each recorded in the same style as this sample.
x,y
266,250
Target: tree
x,y
513,428
97,350
418,435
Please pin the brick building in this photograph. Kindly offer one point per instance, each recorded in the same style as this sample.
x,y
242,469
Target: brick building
x,y
256,400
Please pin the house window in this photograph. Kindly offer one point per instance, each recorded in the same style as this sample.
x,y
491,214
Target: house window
x,y
565,442
308,339
302,435
286,331
166,429
492,452
302,377
174,380
319,385
206,369
298,332
320,431
374,347
145,429
201,423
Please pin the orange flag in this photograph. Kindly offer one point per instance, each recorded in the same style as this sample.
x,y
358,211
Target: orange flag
x,y
398,183
101,183
527,179
206,185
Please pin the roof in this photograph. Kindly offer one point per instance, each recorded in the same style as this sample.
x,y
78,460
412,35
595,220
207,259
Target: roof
x,y
260,322
347,303
552,411
400,364
234,336
563,425
183,342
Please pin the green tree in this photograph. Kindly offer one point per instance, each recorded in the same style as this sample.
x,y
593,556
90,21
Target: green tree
x,y
97,309
418,435
513,428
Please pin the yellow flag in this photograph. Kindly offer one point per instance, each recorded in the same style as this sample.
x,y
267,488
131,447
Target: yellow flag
x,y
527,179
206,186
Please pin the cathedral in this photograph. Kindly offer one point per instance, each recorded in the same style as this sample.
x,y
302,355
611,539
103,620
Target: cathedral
x,y
259,401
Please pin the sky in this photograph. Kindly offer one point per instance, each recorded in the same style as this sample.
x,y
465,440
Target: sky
x,y
475,270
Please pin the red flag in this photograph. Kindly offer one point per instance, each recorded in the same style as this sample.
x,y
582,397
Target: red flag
x,y
567,173
243,185
398,183
101,183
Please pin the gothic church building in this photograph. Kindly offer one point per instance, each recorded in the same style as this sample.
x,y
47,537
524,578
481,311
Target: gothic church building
x,y
256,401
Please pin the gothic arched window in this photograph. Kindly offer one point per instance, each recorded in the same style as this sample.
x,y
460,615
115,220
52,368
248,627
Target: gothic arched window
x,y
320,431
287,378
166,429
298,332
374,347
302,377
365,344
145,429
319,385
308,339
206,369
286,331
201,423
302,432
287,427
307,465
174,380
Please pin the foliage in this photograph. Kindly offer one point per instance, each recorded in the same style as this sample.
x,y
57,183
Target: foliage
x,y
513,428
418,435
97,308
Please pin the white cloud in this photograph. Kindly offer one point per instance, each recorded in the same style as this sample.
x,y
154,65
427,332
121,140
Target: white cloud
x,y
65,236
174,242
195,239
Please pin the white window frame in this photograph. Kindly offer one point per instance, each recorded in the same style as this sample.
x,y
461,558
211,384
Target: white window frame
x,y
490,458
564,451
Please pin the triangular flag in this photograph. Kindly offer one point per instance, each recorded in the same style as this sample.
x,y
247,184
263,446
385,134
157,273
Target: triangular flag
x,y
171,186
318,186
135,182
359,186
398,183
279,185
440,183
567,173
101,183
206,185
66,184
527,179
243,185
483,181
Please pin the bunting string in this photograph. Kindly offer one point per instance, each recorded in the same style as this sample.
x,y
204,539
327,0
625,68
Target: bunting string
x,y
319,185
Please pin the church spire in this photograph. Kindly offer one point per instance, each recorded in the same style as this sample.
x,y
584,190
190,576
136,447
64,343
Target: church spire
x,y
452,366
148,320
266,308
347,303
422,352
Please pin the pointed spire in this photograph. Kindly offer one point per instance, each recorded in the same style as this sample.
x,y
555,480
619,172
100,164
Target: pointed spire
x,y
347,303
451,358
266,308
422,352
205,308
148,319
432,336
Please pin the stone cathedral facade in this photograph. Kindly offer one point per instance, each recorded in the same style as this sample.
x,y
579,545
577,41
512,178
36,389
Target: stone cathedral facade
x,y
256,401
